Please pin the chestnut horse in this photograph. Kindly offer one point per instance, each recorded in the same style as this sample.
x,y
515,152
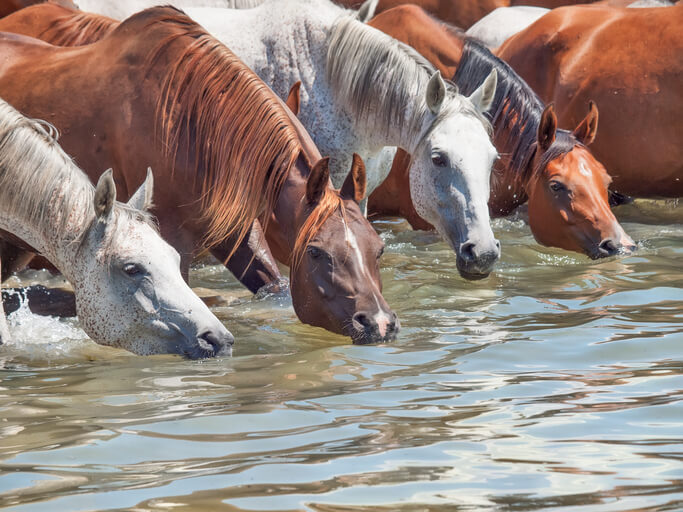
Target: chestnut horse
x,y
553,169
160,91
629,62
9,6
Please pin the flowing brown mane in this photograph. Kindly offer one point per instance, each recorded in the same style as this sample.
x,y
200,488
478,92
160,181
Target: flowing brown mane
x,y
236,131
78,29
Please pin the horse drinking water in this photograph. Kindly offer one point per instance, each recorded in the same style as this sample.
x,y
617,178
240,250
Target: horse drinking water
x,y
226,151
126,279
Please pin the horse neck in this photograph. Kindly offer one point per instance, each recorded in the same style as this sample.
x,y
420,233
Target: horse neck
x,y
65,214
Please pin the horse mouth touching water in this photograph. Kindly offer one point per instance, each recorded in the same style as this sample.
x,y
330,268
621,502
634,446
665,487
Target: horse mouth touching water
x,y
223,145
126,279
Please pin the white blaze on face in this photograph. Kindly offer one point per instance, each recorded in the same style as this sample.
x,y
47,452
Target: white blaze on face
x,y
381,317
584,170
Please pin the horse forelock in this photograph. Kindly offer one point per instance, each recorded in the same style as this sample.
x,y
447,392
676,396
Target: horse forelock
x,y
328,205
79,28
235,130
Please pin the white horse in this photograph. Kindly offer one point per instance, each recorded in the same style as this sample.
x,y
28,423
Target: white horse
x,y
500,24
362,91
126,279
121,9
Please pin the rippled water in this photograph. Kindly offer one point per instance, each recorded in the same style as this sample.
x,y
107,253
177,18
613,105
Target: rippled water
x,y
554,384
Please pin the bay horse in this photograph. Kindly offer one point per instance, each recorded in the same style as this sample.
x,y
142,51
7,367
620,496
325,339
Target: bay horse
x,y
629,62
160,91
552,169
126,279
362,91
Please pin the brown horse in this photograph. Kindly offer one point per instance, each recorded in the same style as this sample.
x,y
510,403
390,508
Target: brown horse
x,y
9,6
161,92
630,62
553,169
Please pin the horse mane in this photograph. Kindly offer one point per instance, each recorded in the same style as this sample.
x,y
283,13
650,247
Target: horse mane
x,y
235,130
515,112
383,81
40,184
78,29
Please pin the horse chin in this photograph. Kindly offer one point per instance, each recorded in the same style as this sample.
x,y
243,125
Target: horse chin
x,y
472,276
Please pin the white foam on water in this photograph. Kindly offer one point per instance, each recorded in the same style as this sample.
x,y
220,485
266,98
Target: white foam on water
x,y
46,338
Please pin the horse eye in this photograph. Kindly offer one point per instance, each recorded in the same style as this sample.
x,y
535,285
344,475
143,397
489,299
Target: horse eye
x,y
132,270
315,252
439,160
556,186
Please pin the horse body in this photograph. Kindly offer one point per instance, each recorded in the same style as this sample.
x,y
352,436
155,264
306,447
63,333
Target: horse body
x,y
166,94
527,168
128,288
628,62
361,92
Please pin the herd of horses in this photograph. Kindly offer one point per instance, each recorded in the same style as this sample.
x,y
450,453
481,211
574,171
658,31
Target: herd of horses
x,y
275,128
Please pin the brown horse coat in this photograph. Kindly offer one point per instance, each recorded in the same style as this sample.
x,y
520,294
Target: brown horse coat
x,y
630,62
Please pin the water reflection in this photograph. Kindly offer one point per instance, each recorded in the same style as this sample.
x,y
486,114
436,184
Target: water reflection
x,y
556,383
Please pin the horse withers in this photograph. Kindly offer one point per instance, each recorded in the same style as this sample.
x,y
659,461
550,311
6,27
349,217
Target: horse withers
x,y
126,279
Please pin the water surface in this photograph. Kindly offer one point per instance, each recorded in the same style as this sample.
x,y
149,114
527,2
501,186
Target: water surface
x,y
554,384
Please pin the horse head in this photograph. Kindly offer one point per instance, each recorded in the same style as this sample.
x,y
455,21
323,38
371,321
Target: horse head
x,y
128,286
335,262
450,173
568,192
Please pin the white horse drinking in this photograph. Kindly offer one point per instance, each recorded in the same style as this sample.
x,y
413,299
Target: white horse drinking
x,y
126,279
362,91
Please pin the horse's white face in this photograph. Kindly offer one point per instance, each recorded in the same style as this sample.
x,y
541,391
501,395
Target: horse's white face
x,y
450,178
129,290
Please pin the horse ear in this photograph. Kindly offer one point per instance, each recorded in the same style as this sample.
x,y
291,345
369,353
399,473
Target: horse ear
x,y
588,128
356,183
547,127
436,92
367,11
142,199
294,98
105,195
482,98
318,180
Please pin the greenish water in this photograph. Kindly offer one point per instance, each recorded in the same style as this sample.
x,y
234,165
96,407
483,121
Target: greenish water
x,y
554,384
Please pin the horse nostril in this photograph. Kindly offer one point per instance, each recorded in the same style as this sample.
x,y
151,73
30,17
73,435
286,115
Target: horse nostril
x,y
608,247
498,246
216,342
365,320
467,251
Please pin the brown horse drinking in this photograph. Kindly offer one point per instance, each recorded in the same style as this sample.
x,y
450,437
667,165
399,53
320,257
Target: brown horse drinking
x,y
553,169
630,61
161,92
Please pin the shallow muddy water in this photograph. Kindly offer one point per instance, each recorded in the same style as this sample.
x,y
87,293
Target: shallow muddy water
x,y
554,384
